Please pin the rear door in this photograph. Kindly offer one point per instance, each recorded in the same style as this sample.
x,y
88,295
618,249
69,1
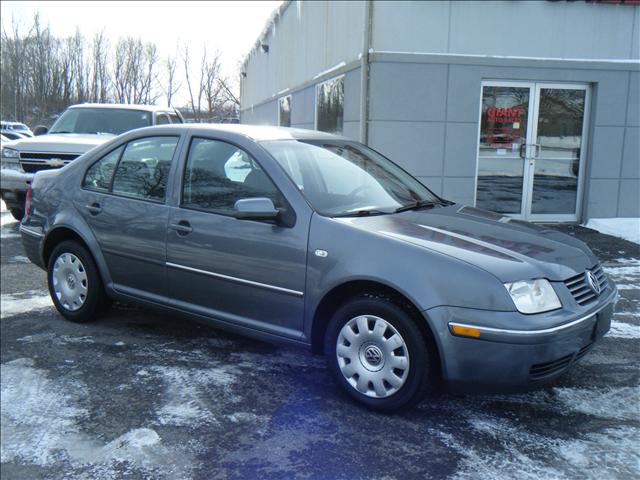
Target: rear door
x,y
249,273
123,201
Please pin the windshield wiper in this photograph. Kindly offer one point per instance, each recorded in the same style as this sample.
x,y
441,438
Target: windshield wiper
x,y
362,213
60,131
418,205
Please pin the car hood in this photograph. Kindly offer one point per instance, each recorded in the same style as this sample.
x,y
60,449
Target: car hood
x,y
61,143
509,249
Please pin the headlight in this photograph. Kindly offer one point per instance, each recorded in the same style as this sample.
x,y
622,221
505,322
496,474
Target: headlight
x,y
533,296
9,153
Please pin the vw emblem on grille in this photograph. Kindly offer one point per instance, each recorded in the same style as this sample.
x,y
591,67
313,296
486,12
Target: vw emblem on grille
x,y
56,162
592,281
373,355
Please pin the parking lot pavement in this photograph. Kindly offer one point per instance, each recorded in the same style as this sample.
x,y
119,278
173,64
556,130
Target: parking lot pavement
x,y
143,395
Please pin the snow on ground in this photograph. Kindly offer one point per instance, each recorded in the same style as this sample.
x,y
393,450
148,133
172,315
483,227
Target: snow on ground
x,y
37,407
625,272
15,304
626,228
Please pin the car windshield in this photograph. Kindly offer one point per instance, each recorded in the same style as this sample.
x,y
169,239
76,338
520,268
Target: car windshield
x,y
107,121
342,178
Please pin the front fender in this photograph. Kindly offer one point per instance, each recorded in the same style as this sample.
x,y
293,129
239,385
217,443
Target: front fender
x,y
427,278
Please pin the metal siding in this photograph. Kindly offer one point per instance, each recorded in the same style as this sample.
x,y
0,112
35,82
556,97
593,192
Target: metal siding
x,y
416,146
629,204
606,152
408,92
631,153
550,29
307,39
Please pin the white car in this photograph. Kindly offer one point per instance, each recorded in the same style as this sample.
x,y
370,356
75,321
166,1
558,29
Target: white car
x,y
77,130
17,127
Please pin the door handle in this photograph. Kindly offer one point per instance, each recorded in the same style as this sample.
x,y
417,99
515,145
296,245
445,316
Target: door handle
x,y
94,208
183,227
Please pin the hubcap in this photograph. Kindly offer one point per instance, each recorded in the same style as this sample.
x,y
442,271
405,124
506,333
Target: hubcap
x,y
69,281
372,356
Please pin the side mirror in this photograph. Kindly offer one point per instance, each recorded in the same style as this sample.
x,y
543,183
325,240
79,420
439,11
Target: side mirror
x,y
40,130
259,208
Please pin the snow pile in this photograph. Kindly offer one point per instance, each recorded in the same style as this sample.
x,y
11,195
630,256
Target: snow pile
x,y
626,228
15,304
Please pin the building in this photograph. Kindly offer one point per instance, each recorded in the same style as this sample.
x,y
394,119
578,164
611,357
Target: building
x,y
527,108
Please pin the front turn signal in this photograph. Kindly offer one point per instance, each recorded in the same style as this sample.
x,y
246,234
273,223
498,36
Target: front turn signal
x,y
465,331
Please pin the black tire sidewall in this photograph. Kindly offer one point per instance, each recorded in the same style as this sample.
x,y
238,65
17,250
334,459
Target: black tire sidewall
x,y
420,377
96,298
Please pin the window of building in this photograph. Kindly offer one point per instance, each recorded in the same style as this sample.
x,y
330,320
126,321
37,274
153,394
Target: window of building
x,y
218,174
330,105
98,176
284,111
144,167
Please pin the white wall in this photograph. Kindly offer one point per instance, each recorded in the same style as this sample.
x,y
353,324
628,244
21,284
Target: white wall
x,y
307,39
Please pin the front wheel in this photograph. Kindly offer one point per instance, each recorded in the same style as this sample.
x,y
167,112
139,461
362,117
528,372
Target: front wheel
x,y
378,354
74,283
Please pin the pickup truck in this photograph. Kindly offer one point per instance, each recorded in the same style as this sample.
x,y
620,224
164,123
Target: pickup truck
x,y
79,129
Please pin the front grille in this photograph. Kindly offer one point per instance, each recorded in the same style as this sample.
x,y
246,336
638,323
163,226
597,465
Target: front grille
x,y
67,157
36,167
580,289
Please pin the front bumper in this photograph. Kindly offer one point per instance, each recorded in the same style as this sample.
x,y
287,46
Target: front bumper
x,y
505,359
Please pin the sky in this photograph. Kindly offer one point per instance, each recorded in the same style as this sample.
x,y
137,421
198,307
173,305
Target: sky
x,y
230,26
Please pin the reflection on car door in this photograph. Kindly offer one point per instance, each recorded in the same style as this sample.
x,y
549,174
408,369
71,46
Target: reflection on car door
x,y
246,272
123,201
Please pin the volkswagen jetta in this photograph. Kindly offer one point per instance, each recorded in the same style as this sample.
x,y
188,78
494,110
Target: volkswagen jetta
x,y
315,240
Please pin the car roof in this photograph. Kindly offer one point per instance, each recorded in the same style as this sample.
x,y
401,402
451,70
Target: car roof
x,y
124,106
257,133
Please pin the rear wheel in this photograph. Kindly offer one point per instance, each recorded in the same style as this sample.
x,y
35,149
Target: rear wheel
x,y
379,355
74,283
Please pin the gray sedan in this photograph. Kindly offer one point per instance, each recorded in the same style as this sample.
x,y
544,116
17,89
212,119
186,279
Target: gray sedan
x,y
315,240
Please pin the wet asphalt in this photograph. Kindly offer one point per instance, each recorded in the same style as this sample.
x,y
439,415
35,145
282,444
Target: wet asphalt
x,y
140,394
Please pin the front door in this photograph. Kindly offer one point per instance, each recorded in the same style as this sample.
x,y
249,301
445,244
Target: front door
x,y
531,150
247,273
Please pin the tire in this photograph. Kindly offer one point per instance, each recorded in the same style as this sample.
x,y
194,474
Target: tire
x,y
375,360
71,267
17,213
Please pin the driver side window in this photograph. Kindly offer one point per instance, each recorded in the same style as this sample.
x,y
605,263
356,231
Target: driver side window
x,y
218,174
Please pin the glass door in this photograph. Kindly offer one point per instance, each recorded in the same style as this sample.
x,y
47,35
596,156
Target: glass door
x,y
503,148
530,150
556,163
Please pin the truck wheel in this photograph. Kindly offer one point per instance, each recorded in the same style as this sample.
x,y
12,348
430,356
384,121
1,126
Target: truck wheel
x,y
75,285
17,213
378,354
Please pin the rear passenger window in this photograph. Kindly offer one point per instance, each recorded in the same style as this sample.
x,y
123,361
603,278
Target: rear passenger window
x,y
218,174
99,175
144,167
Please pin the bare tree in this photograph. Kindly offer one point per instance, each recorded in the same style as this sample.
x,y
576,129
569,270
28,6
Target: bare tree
x,y
186,60
100,74
172,85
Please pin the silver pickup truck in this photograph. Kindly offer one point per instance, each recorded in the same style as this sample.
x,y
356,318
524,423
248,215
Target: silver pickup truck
x,y
77,130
